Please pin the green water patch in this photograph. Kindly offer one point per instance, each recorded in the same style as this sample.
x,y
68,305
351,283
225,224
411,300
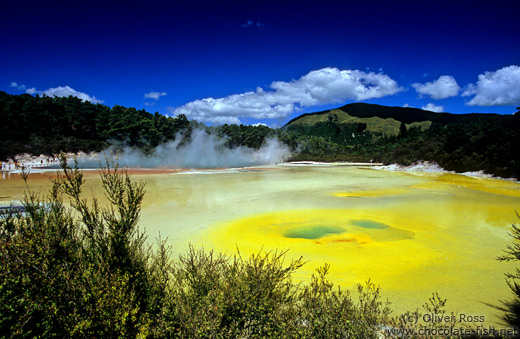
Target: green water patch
x,y
370,224
313,232
382,232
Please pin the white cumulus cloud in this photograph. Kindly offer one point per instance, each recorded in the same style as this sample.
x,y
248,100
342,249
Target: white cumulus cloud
x,y
498,88
154,95
65,91
18,87
434,108
444,87
323,86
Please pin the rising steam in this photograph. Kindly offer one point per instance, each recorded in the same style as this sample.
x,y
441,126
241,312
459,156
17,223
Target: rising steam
x,y
202,151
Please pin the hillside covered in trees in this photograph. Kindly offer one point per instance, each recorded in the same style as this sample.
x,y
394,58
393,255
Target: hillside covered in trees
x,y
355,132
47,125
403,135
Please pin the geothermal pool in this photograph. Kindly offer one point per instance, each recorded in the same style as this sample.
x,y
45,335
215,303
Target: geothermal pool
x,y
411,233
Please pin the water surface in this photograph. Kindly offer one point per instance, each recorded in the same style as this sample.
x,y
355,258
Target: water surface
x,y
414,234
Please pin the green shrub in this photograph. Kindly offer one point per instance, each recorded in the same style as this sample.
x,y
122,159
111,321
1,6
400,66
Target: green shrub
x,y
64,276
512,307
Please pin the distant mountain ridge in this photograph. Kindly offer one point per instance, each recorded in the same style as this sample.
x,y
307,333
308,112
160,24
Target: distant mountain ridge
x,y
408,115
405,135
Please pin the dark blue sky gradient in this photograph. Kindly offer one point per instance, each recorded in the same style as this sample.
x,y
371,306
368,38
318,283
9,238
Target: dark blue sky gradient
x,y
118,51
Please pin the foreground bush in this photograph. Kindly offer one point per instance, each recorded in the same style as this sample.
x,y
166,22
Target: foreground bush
x,y
511,308
86,271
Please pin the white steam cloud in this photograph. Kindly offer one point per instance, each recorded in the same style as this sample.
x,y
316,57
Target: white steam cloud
x,y
202,151
323,86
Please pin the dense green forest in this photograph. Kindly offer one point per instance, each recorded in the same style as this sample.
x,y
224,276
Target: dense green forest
x,y
355,132
48,125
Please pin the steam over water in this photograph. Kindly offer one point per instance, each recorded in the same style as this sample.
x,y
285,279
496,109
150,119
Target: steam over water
x,y
202,151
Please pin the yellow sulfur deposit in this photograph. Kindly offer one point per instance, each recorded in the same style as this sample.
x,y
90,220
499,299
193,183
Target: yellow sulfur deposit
x,y
432,233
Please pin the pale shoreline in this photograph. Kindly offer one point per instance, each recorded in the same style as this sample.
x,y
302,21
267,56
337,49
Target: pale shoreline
x,y
335,163
45,164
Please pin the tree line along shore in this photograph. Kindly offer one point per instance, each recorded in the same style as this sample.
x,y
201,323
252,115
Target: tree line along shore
x,y
457,142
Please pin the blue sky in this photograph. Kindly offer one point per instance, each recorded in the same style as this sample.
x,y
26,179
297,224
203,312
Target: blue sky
x,y
264,61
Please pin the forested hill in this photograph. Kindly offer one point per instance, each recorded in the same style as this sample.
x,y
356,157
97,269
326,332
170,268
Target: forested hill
x,y
404,135
47,125
408,115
